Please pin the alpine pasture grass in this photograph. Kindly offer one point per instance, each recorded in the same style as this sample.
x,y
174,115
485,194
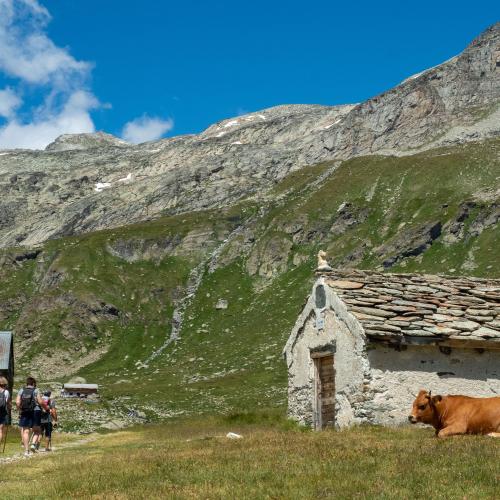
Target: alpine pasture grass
x,y
192,458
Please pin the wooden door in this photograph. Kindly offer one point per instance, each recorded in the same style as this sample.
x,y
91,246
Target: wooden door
x,y
325,392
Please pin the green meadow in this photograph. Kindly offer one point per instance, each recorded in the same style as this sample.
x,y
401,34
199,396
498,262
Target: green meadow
x,y
274,459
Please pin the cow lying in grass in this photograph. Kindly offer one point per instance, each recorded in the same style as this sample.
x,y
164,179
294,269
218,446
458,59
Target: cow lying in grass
x,y
451,415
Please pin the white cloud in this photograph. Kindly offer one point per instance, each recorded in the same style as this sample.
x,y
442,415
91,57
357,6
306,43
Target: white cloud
x,y
40,68
73,118
35,7
26,51
28,55
9,101
146,128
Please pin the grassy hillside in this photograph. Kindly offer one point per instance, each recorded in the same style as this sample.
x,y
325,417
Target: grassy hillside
x,y
100,305
194,459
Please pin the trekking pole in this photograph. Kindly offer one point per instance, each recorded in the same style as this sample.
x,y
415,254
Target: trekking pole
x,y
5,438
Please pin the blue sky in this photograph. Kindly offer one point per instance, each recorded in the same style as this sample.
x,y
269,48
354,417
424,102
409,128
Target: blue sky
x,y
143,69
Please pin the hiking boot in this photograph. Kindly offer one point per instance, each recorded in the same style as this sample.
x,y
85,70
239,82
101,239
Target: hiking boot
x,y
26,453
33,448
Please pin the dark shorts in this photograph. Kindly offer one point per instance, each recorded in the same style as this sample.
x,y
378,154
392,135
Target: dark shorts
x,y
4,418
30,419
47,429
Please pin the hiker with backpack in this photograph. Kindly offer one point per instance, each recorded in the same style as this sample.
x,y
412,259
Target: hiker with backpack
x,y
29,403
49,419
5,406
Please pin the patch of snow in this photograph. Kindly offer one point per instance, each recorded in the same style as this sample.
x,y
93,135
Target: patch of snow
x,y
232,123
416,75
332,124
262,117
2,154
413,77
233,435
102,185
236,142
220,134
126,179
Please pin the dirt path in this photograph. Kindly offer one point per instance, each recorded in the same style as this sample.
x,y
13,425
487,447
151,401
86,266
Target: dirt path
x,y
40,454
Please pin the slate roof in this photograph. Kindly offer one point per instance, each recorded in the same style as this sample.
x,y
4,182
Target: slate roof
x,y
403,307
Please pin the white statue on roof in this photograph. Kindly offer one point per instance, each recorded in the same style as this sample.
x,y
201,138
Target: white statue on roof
x,y
322,262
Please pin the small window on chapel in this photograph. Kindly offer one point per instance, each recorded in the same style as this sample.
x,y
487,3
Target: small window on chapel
x,y
320,297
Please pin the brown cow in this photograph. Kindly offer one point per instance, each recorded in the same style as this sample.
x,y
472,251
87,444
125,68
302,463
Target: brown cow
x,y
451,415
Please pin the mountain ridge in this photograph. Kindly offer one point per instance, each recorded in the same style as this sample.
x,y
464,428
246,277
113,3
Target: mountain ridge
x,y
56,193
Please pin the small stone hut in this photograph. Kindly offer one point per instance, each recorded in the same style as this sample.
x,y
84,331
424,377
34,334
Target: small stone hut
x,y
7,357
79,390
366,342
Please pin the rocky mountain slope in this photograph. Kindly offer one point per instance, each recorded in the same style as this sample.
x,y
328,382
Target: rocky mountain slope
x,y
172,272
177,315
84,183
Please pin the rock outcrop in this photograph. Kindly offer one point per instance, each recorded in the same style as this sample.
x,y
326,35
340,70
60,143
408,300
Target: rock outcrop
x,y
71,142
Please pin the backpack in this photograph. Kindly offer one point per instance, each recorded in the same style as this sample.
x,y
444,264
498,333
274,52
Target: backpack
x,y
3,403
46,414
28,401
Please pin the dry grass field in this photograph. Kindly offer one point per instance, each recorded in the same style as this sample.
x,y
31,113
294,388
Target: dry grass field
x,y
274,459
